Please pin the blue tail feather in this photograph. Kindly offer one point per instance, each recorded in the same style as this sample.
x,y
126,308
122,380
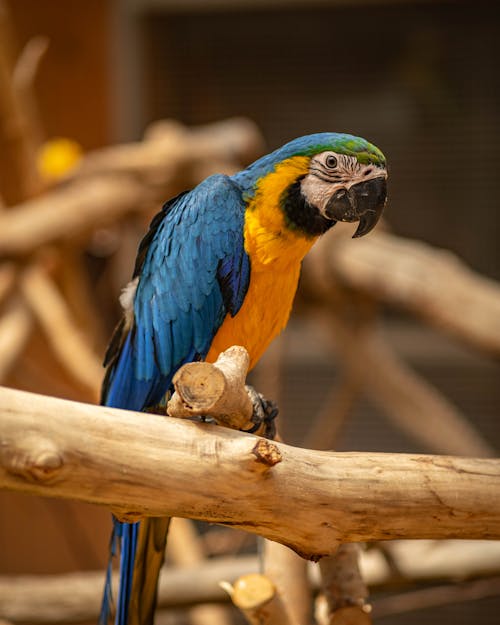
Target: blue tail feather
x,y
124,534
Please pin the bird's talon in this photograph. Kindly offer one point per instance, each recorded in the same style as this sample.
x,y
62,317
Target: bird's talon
x,y
264,412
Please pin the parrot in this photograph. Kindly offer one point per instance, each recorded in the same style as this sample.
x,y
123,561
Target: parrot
x,y
219,266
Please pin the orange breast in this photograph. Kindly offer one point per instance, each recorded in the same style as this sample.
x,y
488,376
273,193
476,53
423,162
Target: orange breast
x,y
263,315
276,253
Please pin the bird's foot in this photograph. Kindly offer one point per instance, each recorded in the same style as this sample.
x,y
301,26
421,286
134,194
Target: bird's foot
x,y
264,414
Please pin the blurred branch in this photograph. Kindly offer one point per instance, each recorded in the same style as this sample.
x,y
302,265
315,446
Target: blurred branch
x,y
75,597
66,340
405,398
312,503
23,78
185,549
8,275
258,599
434,284
334,412
436,596
117,180
67,211
16,324
17,139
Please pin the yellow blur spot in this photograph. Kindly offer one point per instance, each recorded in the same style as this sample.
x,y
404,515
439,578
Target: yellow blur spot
x,y
57,157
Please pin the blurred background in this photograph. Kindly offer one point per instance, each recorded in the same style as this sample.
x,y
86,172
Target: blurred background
x,y
418,79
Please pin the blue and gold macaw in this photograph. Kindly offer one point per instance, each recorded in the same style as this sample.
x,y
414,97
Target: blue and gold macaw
x,y
219,267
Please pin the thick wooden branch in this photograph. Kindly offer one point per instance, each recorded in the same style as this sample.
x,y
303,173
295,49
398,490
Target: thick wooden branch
x,y
311,501
432,283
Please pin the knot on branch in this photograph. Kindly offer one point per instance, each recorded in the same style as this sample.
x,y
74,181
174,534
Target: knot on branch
x,y
35,458
266,453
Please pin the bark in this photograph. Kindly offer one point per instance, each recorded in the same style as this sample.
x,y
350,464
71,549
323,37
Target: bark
x,y
311,501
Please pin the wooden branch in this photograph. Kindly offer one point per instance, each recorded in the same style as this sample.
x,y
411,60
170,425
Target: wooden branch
x,y
310,501
185,549
67,211
325,428
409,401
169,147
257,598
343,589
120,179
15,328
436,596
15,123
432,283
8,275
23,79
67,342
75,597
214,390
288,572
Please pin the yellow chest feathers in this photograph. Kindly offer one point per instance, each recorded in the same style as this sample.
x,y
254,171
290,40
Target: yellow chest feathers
x,y
275,253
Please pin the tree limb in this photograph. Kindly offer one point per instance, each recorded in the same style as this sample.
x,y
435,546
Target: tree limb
x,y
344,591
117,180
432,283
311,501
76,597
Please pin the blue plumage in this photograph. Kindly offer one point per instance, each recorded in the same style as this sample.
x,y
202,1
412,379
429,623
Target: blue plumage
x,y
193,270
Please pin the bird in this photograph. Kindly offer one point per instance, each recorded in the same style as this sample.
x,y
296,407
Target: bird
x,y
219,266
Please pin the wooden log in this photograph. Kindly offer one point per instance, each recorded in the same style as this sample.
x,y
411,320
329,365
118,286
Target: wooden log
x,y
311,501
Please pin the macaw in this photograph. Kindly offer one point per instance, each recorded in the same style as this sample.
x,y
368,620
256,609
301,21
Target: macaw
x,y
219,266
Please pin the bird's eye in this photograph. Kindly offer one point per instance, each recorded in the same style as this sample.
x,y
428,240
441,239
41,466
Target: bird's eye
x,y
331,162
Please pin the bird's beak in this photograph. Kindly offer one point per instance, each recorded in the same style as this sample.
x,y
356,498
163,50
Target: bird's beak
x,y
363,202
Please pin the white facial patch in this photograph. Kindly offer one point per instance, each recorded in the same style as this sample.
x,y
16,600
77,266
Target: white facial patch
x,y
323,181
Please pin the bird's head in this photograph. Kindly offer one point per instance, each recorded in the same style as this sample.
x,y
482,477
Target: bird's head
x,y
325,178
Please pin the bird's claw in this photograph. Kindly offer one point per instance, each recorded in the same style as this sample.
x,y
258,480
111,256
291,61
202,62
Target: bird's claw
x,y
265,412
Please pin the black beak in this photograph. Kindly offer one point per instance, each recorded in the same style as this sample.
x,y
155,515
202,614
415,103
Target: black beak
x,y
363,202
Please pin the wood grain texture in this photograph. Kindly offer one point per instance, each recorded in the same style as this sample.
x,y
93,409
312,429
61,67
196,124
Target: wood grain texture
x,y
310,500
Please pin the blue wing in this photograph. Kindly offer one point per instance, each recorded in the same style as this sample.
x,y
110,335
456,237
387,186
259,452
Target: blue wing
x,y
193,270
